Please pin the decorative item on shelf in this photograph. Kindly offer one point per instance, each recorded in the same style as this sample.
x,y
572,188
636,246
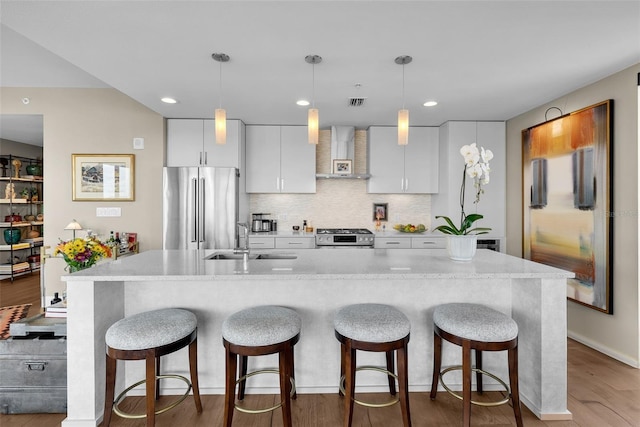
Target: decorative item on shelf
x,y
13,218
29,193
10,191
81,253
12,235
16,167
462,241
34,169
29,217
40,217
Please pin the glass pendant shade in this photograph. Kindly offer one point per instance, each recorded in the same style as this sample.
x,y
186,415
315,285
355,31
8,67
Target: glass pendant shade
x,y
403,127
312,125
221,126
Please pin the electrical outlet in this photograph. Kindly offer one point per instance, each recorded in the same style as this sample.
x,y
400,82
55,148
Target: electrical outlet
x,y
138,143
282,217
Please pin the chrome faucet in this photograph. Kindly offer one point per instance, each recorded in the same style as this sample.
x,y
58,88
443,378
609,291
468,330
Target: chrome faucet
x,y
245,250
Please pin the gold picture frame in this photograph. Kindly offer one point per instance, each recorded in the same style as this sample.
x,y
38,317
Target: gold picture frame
x,y
103,177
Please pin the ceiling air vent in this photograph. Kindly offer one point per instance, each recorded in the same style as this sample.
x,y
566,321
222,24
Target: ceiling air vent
x,y
356,102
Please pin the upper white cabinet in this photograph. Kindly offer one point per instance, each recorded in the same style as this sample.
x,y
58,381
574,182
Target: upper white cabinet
x,y
411,169
280,160
192,142
492,205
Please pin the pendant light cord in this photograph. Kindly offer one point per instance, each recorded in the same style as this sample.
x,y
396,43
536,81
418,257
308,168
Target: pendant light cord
x,y
220,84
403,86
313,85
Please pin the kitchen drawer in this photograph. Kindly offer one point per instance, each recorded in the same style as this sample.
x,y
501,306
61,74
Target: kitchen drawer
x,y
392,243
428,243
295,242
262,242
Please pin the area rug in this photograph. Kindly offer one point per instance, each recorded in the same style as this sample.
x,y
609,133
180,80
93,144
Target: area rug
x,y
10,314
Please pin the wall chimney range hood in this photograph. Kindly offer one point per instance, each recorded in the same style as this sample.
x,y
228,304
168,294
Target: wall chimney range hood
x,y
343,148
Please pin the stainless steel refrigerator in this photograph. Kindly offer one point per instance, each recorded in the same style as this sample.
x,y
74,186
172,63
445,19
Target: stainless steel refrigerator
x,y
200,208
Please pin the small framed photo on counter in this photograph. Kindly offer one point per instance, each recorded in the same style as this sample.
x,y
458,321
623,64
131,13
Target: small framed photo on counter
x,y
380,211
342,166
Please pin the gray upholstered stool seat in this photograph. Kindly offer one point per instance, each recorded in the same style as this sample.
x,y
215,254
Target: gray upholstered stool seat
x,y
258,331
375,328
371,323
475,322
262,325
475,328
148,336
151,329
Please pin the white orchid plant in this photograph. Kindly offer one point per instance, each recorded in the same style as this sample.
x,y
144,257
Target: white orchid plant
x,y
476,166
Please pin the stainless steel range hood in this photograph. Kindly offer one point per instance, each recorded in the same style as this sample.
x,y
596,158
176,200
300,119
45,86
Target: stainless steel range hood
x,y
342,148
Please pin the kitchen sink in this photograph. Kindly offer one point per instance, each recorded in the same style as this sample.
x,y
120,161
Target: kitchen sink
x,y
232,256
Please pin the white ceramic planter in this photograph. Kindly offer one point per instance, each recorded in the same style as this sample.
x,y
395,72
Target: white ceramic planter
x,y
462,248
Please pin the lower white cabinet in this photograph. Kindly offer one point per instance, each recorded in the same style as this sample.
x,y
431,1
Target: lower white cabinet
x,y
295,242
410,242
392,243
262,242
428,242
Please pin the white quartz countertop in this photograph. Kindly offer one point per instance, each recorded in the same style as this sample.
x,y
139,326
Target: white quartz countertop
x,y
319,264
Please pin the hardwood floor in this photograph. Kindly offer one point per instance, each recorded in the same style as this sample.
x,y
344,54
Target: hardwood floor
x,y
602,392
22,290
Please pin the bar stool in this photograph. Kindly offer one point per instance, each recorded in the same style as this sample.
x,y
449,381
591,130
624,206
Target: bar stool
x,y
258,331
148,336
378,328
479,328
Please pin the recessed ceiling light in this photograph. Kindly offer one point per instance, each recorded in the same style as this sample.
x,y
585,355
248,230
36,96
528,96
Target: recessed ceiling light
x,y
168,100
302,102
430,103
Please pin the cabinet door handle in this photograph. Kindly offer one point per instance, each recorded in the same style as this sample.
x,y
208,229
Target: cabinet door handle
x,y
406,184
294,243
392,243
200,159
278,183
206,161
282,184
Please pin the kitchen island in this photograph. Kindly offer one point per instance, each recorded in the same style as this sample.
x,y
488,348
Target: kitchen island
x,y
316,283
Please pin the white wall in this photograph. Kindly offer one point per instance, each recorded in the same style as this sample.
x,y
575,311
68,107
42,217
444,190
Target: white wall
x,y
97,121
619,334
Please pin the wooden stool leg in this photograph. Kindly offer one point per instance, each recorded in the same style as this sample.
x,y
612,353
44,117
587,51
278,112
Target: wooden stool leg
x,y
343,352
292,370
350,384
466,383
437,362
403,385
391,368
109,393
285,386
157,374
151,364
193,369
478,374
513,383
230,386
243,371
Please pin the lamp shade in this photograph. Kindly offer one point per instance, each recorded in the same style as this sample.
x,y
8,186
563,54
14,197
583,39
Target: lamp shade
x,y
403,127
221,126
313,125
73,225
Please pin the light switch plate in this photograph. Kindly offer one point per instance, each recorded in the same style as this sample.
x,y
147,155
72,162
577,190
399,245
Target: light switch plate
x,y
108,211
138,143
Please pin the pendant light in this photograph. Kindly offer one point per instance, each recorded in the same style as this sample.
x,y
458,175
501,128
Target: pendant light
x,y
221,114
403,114
313,119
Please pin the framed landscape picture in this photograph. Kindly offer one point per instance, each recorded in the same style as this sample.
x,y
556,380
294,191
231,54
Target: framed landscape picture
x,y
103,177
567,188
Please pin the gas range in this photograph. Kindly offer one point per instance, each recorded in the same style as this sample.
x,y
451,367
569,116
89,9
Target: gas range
x,y
344,238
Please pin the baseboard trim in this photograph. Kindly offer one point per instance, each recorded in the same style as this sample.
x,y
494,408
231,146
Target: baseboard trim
x,y
603,349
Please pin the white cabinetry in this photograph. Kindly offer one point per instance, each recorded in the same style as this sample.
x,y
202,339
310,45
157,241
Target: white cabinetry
x,y
392,243
191,142
295,242
412,168
280,160
492,136
260,242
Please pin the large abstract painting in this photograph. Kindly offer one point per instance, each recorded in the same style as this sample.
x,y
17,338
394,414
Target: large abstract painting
x,y
567,170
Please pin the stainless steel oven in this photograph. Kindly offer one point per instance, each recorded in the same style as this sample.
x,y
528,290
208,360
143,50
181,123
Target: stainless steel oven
x,y
344,238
